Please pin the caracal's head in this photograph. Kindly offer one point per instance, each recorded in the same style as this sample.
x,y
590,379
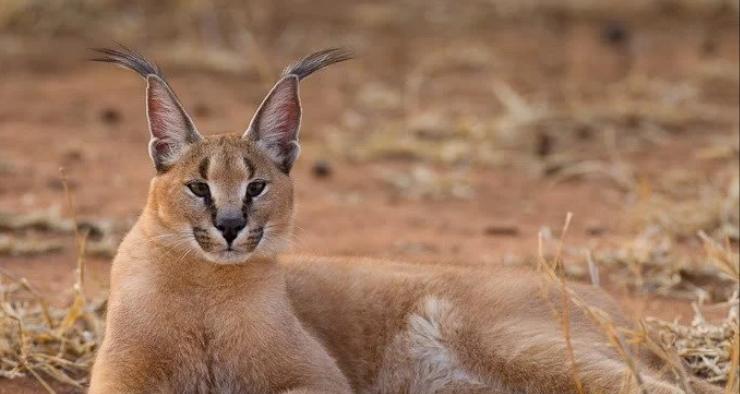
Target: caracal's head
x,y
224,197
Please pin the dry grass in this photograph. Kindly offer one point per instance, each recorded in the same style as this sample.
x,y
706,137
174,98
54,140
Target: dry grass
x,y
46,342
43,341
541,137
423,182
705,350
652,263
687,205
660,259
709,350
40,232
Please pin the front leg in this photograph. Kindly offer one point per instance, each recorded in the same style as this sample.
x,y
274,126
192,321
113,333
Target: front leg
x,y
110,377
121,367
312,366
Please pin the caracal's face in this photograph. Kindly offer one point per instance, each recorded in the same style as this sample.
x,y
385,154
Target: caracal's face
x,y
228,197
224,200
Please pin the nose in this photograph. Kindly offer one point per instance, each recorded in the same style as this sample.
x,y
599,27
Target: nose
x,y
230,226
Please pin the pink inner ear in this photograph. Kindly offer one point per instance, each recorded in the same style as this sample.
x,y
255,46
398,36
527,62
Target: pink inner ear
x,y
289,114
280,115
162,147
155,117
170,126
163,114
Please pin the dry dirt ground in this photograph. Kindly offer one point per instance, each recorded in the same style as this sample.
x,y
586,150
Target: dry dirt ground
x,y
57,110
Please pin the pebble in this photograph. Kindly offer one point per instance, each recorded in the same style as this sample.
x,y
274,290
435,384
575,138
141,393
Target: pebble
x,y
501,229
321,169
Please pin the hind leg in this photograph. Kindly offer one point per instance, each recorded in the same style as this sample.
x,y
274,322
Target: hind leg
x,y
534,359
419,360
529,354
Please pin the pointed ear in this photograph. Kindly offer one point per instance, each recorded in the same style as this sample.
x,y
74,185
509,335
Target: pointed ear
x,y
171,128
274,127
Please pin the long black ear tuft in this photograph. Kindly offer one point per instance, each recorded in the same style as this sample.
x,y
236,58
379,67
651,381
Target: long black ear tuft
x,y
276,123
129,59
316,61
172,129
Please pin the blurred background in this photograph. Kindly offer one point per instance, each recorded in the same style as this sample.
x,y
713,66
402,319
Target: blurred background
x,y
462,133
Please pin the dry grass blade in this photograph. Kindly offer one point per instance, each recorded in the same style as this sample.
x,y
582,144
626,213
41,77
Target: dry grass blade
x,y
565,303
733,382
721,257
554,273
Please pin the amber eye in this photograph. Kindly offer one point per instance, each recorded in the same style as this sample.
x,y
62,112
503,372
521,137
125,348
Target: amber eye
x,y
255,188
200,189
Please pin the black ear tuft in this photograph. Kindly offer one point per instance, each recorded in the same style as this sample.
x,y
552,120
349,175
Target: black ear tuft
x,y
316,61
130,59
276,123
170,126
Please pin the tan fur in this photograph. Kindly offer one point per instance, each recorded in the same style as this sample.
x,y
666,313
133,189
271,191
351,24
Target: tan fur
x,y
406,328
179,323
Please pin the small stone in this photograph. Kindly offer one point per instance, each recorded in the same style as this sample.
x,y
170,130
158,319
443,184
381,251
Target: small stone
x,y
110,116
544,144
321,169
552,169
501,230
709,46
615,33
595,229
584,132
72,155
202,110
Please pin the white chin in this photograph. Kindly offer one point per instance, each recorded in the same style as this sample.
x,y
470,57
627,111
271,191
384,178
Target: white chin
x,y
227,257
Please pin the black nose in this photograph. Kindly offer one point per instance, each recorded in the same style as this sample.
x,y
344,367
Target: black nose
x,y
230,227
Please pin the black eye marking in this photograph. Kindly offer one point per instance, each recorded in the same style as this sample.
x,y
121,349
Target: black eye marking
x,y
255,188
200,189
203,168
250,168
